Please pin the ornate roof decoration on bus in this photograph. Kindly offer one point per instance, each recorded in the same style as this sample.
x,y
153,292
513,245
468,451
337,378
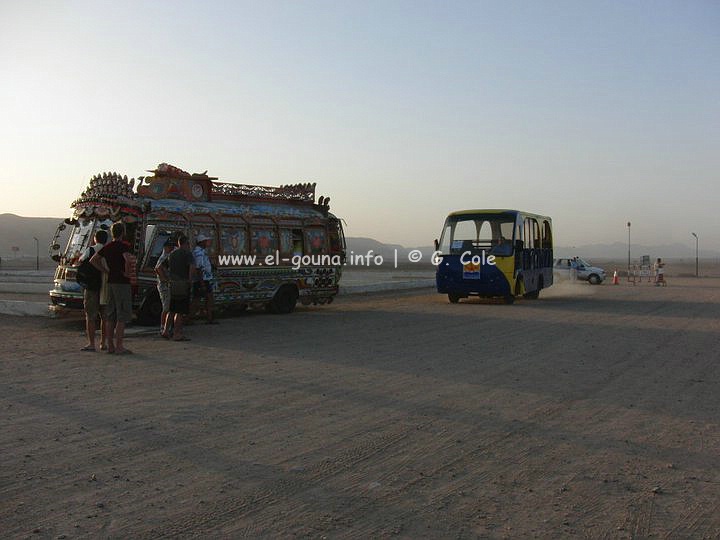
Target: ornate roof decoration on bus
x,y
107,194
170,182
111,195
293,192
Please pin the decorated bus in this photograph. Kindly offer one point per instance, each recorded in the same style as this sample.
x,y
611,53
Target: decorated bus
x,y
271,246
494,253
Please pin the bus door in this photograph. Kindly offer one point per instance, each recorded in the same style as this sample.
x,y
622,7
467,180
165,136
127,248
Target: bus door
x,y
532,253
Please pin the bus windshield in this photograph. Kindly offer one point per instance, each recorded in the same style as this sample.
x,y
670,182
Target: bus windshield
x,y
493,233
82,237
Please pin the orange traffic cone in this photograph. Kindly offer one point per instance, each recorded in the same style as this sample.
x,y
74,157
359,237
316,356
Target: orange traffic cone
x,y
616,280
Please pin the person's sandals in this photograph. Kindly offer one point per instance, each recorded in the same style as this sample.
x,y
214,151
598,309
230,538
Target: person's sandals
x,y
182,339
88,348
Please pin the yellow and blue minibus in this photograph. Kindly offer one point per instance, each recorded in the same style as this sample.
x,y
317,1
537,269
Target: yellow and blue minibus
x,y
494,253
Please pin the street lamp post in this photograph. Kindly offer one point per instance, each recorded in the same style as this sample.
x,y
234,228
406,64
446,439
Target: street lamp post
x,y
628,248
37,253
697,266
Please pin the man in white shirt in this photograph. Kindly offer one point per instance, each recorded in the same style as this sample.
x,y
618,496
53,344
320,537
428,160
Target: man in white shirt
x,y
203,285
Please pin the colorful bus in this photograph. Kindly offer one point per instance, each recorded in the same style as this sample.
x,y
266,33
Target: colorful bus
x,y
494,253
260,235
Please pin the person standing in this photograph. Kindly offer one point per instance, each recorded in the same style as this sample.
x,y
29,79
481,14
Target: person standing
x,y
660,273
116,259
202,284
181,266
91,297
162,269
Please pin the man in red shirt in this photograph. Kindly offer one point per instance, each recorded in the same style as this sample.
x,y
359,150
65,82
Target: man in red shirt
x,y
115,260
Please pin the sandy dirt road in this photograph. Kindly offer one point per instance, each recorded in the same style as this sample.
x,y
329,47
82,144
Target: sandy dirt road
x,y
590,412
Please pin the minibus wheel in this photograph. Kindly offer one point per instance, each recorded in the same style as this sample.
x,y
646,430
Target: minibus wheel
x,y
284,301
454,298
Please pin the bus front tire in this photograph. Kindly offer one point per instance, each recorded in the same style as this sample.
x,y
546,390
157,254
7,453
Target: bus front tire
x,y
454,298
284,301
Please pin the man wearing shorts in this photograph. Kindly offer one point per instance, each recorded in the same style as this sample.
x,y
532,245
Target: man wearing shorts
x,y
162,269
181,266
91,299
115,260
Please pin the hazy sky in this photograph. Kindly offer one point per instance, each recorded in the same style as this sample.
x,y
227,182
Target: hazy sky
x,y
594,113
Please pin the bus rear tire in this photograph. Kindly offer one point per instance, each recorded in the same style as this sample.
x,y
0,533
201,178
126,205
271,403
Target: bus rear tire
x,y
454,298
150,310
284,301
509,299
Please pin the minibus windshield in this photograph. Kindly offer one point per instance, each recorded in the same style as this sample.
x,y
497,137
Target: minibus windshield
x,y
493,233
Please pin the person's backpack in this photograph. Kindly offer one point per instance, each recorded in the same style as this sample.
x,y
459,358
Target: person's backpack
x,y
87,275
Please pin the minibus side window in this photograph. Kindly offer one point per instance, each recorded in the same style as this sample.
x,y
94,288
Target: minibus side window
x,y
537,242
547,235
528,234
502,238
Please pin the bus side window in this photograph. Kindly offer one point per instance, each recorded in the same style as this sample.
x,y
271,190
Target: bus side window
x,y
547,235
156,247
315,241
233,240
527,229
264,242
297,242
537,241
207,230
286,243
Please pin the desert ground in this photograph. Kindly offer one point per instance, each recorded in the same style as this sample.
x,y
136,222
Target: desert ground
x,y
592,412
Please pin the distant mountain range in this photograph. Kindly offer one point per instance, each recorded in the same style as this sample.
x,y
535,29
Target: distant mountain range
x,y
17,231
618,250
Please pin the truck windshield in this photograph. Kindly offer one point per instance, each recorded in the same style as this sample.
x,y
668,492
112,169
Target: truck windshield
x,y
82,237
493,233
